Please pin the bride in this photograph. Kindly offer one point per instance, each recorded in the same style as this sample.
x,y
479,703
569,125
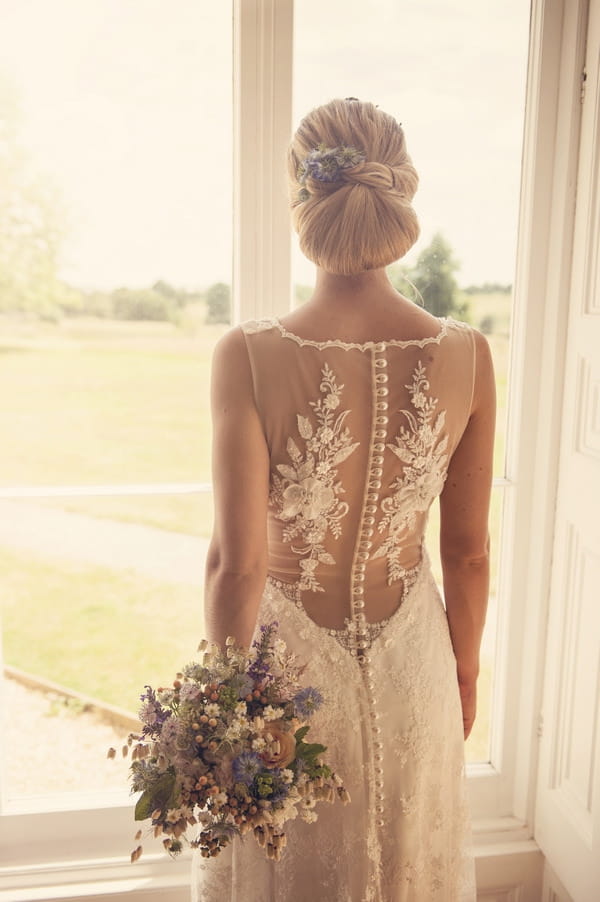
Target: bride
x,y
335,428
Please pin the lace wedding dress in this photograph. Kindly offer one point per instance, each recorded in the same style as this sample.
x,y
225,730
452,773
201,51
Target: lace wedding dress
x,y
360,437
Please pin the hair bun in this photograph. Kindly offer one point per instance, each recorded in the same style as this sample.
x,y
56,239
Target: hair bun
x,y
381,176
342,229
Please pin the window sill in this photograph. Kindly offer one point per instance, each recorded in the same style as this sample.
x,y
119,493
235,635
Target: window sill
x,y
503,852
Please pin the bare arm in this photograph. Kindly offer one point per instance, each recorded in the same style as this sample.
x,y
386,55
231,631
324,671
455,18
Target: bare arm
x,y
236,564
464,539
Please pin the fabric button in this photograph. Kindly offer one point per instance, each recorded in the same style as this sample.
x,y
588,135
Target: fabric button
x,y
360,567
381,361
380,433
365,545
367,533
380,346
381,421
375,484
379,447
378,459
381,377
376,471
382,392
359,577
359,603
358,590
371,496
369,521
381,405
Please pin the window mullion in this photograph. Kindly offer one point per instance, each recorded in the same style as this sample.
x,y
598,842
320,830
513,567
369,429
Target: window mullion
x,y
262,124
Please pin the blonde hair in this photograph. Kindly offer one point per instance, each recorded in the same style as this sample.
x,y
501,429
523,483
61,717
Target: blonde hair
x,y
364,219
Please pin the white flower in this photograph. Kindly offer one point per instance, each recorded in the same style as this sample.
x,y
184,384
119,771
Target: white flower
x,y
309,498
235,729
331,402
258,744
212,710
287,775
271,713
221,798
241,709
177,814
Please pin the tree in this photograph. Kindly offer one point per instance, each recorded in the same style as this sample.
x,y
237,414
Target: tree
x,y
143,304
31,225
218,303
433,277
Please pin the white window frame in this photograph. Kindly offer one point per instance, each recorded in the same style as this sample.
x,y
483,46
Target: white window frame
x,y
83,850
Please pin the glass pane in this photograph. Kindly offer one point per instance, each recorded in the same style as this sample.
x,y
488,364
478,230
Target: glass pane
x,y
115,275
453,73
115,247
92,609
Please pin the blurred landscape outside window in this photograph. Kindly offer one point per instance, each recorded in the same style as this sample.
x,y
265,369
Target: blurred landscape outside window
x,y
115,283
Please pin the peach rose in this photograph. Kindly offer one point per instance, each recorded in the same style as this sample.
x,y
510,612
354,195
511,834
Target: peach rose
x,y
282,750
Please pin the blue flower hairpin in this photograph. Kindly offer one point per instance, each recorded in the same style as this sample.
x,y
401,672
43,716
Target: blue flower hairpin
x,y
325,164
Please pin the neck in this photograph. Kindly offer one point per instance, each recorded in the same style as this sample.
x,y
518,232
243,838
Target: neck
x,y
331,285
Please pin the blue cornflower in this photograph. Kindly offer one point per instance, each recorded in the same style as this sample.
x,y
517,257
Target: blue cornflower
x,y
245,767
307,701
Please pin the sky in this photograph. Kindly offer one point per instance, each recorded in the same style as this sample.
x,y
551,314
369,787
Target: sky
x,y
126,107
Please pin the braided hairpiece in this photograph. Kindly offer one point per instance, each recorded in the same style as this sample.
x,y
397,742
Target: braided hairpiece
x,y
326,164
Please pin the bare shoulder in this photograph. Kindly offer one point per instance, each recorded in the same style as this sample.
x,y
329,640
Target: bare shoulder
x,y
231,370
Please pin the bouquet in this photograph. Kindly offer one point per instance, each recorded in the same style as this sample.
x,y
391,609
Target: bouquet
x,y
225,749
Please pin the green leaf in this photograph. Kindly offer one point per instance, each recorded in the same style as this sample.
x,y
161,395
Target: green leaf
x,y
143,807
160,795
301,733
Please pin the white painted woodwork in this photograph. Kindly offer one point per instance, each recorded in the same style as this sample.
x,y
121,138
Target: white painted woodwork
x,y
568,800
262,129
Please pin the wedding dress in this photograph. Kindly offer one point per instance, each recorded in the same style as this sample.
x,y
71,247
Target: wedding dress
x,y
360,437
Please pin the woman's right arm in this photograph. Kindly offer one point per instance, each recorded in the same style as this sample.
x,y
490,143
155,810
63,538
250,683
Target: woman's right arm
x,y
464,538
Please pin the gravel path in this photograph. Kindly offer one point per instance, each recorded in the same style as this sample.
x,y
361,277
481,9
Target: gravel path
x,y
167,556
61,748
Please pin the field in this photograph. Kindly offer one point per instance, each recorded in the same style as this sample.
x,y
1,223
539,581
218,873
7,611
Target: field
x,y
90,402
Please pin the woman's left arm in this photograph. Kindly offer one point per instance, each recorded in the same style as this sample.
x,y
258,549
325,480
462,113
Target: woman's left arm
x,y
236,564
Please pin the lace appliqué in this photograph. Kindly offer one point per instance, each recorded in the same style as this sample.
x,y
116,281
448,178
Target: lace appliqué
x,y
421,446
252,326
305,493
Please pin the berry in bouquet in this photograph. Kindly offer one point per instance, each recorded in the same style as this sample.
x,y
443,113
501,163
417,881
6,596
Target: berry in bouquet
x,y
225,750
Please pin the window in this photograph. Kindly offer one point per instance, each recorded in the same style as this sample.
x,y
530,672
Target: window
x,y
263,271
115,283
462,106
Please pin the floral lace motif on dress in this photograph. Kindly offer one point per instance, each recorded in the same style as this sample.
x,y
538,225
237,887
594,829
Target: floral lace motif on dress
x,y
421,446
305,493
252,326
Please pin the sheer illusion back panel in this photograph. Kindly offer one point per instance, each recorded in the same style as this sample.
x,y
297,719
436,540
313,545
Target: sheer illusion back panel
x,y
360,437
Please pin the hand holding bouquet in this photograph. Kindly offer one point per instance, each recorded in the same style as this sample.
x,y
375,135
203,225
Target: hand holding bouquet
x,y
225,749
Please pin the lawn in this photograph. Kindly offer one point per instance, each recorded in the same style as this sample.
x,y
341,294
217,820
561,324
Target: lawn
x,y
101,632
101,402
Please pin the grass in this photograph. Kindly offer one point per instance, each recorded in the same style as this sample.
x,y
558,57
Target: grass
x,y
101,632
95,401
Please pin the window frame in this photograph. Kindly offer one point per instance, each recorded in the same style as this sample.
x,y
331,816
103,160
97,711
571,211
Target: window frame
x,y
78,846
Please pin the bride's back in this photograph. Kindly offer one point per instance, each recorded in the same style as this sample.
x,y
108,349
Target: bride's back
x,y
360,433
